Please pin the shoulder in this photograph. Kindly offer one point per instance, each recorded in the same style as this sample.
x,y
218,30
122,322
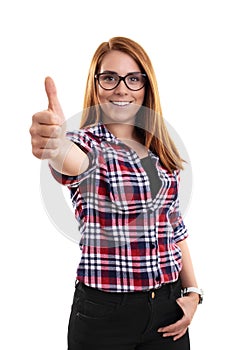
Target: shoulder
x,y
88,137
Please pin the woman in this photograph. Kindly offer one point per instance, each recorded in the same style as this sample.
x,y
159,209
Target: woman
x,y
136,287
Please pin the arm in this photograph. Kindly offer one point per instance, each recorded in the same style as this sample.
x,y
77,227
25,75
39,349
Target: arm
x,y
187,303
71,160
48,137
187,275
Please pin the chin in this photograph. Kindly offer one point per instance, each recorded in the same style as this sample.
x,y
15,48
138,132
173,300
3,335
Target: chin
x,y
119,114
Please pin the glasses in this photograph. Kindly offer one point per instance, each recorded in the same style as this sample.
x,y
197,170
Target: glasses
x,y
110,80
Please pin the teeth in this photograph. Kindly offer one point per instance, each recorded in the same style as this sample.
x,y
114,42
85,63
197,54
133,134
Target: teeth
x,y
120,103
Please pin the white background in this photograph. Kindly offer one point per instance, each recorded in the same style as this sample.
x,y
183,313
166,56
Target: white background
x,y
190,45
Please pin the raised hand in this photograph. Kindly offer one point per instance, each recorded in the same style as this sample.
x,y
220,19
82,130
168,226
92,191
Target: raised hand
x,y
48,137
48,127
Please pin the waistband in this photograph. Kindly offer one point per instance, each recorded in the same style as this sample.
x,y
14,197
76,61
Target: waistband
x,y
166,290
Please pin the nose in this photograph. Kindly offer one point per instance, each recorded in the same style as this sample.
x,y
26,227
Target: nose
x,y
121,88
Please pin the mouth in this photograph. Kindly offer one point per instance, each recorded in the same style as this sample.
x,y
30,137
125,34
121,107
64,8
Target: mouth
x,y
121,103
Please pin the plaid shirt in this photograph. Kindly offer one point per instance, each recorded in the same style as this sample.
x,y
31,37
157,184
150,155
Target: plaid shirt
x,y
128,239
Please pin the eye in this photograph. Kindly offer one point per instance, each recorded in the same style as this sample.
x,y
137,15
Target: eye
x,y
108,78
134,78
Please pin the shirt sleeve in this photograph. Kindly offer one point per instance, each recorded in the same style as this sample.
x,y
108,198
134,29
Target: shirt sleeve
x,y
175,217
85,143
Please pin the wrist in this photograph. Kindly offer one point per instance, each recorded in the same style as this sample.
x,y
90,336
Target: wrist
x,y
194,296
194,292
57,161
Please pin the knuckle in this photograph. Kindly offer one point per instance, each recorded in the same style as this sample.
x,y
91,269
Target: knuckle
x,y
34,142
32,130
34,118
36,152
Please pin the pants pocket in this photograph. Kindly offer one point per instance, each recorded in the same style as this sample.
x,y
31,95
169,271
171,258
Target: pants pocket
x,y
89,317
95,310
167,311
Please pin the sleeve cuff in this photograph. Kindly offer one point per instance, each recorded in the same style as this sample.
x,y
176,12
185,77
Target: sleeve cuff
x,y
73,181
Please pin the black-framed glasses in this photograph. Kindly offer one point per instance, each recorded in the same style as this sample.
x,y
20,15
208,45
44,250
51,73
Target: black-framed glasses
x,y
110,80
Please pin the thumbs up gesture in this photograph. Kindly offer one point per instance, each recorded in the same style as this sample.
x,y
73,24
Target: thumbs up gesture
x,y
48,128
48,137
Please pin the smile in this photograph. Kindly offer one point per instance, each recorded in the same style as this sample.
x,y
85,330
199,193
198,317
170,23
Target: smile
x,y
120,103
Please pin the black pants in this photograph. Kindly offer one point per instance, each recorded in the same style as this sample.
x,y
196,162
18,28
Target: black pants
x,y
124,321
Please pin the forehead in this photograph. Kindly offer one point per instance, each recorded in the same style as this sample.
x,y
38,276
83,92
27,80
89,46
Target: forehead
x,y
119,62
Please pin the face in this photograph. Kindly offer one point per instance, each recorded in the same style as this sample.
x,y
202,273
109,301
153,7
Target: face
x,y
120,104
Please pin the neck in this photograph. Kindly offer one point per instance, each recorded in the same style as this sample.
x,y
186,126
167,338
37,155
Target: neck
x,y
126,133
122,131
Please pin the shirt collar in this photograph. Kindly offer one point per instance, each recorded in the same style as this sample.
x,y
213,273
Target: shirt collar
x,y
101,131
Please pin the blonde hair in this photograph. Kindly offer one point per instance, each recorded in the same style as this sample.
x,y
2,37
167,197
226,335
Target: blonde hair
x,y
151,128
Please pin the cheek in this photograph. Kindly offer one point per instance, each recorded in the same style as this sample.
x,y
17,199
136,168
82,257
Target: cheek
x,y
142,95
102,95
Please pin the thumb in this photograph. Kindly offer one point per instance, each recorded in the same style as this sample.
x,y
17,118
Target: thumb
x,y
53,102
179,301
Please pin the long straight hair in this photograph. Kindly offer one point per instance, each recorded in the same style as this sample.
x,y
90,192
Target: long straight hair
x,y
151,128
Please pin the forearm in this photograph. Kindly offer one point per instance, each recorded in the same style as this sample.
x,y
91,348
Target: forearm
x,y
187,303
187,274
70,160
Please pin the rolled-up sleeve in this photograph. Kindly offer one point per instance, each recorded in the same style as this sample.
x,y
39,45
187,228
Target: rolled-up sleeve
x,y
177,223
85,143
176,220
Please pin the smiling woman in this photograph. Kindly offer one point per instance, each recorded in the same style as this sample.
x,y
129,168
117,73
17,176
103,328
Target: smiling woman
x,y
123,172
113,91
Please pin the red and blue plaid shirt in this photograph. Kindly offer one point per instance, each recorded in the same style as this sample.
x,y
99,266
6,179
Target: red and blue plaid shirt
x,y
128,239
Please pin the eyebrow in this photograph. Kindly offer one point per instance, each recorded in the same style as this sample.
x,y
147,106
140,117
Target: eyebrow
x,y
113,72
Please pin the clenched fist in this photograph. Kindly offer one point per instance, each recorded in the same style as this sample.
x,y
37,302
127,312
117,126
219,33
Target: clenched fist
x,y
48,137
48,128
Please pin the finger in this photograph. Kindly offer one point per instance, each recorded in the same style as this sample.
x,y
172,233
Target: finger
x,y
50,131
178,336
46,118
175,332
181,304
44,153
175,336
53,102
52,144
45,148
45,143
172,327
